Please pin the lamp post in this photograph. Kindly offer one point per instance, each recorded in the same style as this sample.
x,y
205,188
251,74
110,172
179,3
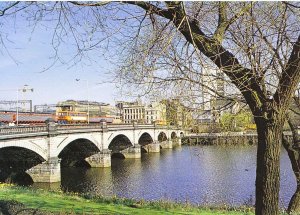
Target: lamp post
x,y
24,89
88,104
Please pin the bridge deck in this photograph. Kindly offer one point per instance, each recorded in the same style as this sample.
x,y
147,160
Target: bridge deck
x,y
29,131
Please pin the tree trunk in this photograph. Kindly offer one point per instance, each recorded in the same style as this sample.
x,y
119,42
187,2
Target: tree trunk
x,y
268,166
292,149
294,205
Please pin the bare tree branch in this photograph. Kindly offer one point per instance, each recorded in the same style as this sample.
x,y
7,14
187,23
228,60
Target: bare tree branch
x,y
290,78
2,12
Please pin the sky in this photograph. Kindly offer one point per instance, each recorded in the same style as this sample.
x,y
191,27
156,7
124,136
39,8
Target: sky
x,y
26,54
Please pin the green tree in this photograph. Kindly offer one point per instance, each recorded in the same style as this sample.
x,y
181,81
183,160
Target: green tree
x,y
236,122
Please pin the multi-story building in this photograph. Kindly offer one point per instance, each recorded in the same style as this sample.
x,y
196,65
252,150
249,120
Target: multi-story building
x,y
131,112
156,112
213,92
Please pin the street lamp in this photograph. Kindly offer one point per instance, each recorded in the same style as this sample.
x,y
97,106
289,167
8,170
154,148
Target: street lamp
x,y
24,89
88,107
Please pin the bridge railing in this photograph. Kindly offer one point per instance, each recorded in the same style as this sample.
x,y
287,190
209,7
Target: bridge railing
x,y
100,126
22,129
77,126
36,129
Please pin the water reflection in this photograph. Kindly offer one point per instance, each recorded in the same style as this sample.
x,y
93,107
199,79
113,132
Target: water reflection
x,y
198,174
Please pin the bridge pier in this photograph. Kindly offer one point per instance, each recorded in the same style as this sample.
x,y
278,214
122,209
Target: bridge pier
x,y
167,144
101,159
48,171
152,148
179,142
132,152
176,142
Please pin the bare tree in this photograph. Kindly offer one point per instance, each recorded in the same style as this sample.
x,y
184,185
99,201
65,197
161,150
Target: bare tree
x,y
258,48
256,45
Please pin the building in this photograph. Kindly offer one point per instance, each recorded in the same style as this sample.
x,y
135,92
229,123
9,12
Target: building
x,y
156,112
213,92
131,112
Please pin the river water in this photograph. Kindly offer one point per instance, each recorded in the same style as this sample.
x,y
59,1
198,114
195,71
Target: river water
x,y
211,175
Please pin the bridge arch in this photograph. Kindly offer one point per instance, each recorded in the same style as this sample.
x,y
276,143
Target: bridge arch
x,y
173,135
145,139
14,161
64,142
162,137
118,144
75,152
39,148
181,134
117,134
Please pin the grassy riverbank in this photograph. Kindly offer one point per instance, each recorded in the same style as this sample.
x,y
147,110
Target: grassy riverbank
x,y
60,203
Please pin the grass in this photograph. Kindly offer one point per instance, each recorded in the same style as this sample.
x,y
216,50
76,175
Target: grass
x,y
56,201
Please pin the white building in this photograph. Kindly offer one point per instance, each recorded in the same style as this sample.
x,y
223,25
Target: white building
x,y
212,91
156,112
140,113
131,111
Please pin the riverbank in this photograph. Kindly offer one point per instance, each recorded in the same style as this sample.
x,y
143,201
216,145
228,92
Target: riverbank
x,y
20,200
226,138
223,138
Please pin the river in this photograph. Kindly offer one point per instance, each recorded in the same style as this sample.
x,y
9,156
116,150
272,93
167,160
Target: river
x,y
210,175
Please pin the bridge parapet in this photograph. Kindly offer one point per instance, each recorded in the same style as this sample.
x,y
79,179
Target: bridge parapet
x,y
110,127
22,129
77,126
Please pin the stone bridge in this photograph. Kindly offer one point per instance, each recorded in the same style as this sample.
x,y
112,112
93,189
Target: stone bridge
x,y
42,150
